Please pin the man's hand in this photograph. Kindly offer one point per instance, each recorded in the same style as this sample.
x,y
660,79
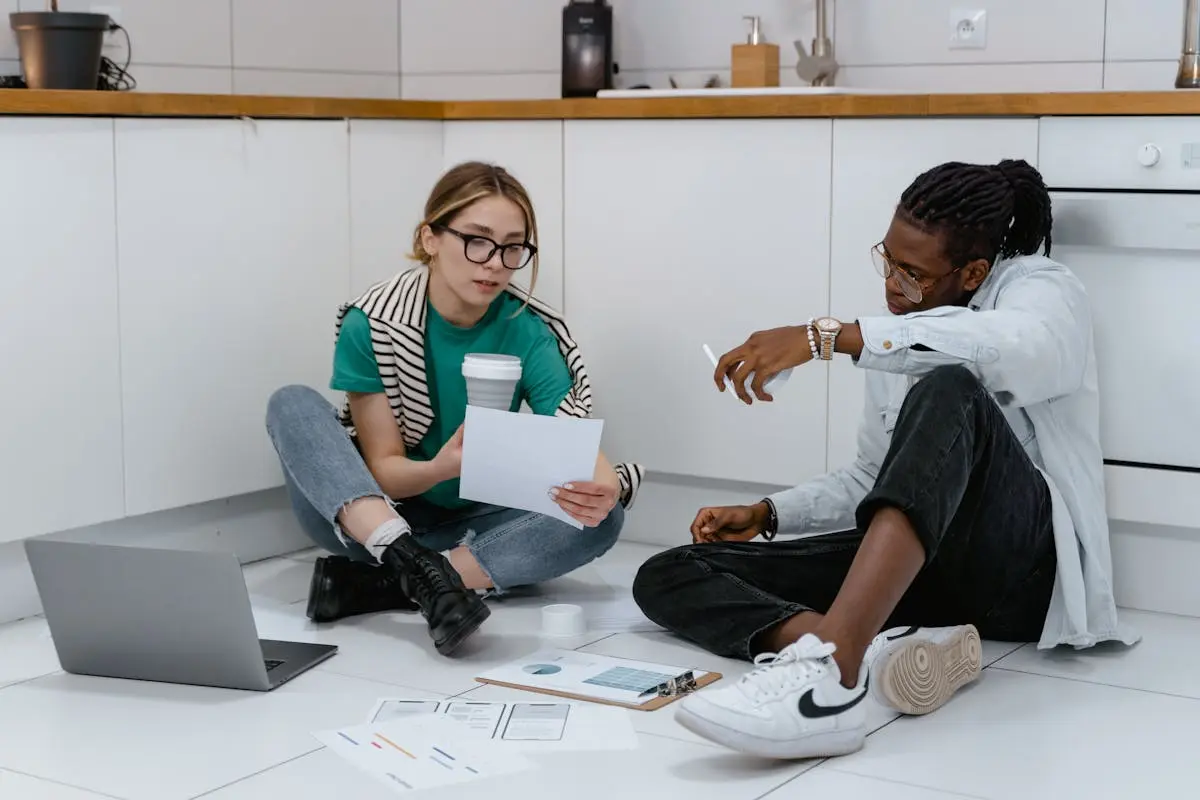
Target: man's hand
x,y
588,502
766,354
448,461
729,523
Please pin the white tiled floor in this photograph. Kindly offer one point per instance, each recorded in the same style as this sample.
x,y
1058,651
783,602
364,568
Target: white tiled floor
x,y
1110,723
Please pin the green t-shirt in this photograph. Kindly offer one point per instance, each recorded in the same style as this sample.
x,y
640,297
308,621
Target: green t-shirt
x,y
545,379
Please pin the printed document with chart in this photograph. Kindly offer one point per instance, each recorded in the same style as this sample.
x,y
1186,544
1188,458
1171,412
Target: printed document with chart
x,y
524,726
406,758
588,675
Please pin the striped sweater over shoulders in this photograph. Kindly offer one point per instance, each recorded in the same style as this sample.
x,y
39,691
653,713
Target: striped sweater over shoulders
x,y
397,309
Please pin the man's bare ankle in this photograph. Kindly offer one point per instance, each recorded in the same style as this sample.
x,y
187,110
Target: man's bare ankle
x,y
849,667
788,632
848,656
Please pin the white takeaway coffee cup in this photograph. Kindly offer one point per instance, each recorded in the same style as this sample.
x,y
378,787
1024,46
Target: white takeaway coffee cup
x,y
491,379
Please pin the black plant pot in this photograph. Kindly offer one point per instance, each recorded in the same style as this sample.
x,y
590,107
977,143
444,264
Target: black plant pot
x,y
60,50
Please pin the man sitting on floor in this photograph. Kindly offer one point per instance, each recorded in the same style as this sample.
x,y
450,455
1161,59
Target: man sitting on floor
x,y
976,502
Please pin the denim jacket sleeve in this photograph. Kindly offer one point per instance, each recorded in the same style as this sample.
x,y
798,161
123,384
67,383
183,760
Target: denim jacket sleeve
x,y
1031,347
828,502
824,503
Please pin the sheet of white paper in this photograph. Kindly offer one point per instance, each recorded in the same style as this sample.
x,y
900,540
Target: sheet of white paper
x,y
588,675
537,722
514,460
388,709
522,726
479,719
407,757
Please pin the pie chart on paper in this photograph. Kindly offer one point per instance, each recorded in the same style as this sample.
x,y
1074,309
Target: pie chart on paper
x,y
541,669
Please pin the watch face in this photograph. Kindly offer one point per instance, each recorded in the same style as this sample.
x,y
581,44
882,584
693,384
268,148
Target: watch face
x,y
827,324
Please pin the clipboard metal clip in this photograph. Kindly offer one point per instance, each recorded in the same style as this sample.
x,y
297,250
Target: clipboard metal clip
x,y
679,685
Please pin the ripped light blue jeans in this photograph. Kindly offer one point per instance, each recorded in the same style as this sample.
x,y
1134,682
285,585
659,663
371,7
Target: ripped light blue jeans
x,y
324,471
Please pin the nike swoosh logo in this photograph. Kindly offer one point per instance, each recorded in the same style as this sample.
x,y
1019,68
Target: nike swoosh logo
x,y
810,709
902,634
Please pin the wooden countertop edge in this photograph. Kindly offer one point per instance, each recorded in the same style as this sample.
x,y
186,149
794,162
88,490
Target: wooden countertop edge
x,y
23,102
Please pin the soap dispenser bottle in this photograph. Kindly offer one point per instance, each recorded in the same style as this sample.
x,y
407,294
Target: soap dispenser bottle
x,y
755,63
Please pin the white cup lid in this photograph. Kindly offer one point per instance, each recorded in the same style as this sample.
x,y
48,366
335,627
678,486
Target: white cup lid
x,y
491,365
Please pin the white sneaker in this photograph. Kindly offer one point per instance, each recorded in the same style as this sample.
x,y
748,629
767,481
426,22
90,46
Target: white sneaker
x,y
916,670
792,706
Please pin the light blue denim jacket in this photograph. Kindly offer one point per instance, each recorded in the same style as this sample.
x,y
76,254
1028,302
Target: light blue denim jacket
x,y
1027,335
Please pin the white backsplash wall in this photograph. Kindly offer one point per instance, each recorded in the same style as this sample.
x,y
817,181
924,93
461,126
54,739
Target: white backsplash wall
x,y
497,49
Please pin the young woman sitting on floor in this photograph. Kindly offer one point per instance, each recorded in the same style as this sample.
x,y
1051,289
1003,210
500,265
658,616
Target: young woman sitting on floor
x,y
376,482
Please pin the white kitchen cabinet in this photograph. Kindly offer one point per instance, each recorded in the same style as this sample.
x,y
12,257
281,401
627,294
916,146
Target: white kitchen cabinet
x,y
393,167
686,232
532,150
61,416
234,253
874,161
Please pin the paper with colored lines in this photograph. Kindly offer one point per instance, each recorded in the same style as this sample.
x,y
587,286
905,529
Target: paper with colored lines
x,y
531,727
421,758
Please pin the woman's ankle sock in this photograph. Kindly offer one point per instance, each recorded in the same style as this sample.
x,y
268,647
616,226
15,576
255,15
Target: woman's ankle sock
x,y
384,535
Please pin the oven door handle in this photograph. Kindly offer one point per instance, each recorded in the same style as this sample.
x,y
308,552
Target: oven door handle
x,y
1127,221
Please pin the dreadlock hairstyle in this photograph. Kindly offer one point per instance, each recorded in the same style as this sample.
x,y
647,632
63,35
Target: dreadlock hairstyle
x,y
981,210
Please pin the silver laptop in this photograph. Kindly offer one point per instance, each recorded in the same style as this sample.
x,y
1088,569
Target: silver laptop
x,y
176,616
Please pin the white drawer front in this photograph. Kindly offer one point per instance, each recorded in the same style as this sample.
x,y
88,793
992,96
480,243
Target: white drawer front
x,y
1120,152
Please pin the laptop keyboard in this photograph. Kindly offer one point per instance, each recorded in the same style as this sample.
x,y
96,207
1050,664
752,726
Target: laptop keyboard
x,y
271,663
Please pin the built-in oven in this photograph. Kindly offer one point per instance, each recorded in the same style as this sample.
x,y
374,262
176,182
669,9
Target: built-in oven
x,y
1126,195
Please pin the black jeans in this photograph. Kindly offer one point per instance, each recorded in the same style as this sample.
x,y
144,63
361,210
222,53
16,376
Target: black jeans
x,y
980,508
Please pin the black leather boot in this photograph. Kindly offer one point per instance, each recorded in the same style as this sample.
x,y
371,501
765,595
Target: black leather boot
x,y
342,587
453,611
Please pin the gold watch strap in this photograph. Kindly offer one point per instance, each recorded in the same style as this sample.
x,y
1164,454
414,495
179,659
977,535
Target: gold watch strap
x,y
827,342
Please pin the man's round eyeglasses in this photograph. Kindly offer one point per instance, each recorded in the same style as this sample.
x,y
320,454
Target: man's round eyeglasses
x,y
913,287
480,249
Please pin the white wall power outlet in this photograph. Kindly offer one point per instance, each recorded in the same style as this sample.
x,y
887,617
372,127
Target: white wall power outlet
x,y
968,28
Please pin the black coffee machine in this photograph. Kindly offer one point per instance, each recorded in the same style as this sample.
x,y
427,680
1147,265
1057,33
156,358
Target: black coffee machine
x,y
587,53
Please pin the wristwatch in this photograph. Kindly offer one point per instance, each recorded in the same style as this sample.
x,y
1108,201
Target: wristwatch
x,y
828,329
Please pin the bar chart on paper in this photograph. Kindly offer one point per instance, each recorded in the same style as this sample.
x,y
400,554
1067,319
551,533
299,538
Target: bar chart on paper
x,y
421,759
629,680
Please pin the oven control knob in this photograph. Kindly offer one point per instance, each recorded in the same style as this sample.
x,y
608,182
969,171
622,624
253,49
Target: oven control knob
x,y
1149,154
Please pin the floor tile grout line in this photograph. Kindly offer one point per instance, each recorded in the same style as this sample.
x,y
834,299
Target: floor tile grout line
x,y
1097,683
824,761
57,782
681,740
889,723
792,779
947,792
1012,652
329,670
19,620
31,679
257,773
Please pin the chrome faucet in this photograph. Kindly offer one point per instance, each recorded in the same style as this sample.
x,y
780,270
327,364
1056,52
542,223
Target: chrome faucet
x,y
819,67
1189,63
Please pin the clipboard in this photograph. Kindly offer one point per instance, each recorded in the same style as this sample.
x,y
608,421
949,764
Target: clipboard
x,y
664,694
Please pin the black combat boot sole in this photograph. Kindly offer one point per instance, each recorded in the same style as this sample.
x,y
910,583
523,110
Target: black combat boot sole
x,y
317,587
447,641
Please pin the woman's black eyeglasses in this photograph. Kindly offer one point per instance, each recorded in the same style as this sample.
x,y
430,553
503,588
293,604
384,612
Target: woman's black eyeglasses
x,y
480,249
